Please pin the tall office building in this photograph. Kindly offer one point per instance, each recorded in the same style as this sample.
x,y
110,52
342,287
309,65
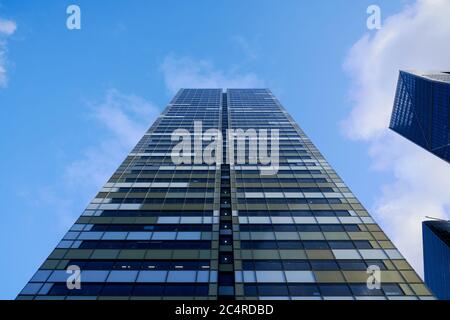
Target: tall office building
x,y
436,254
157,230
422,110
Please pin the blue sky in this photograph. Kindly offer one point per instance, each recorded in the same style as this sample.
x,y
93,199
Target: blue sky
x,y
76,101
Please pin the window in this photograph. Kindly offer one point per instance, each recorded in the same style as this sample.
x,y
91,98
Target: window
x,y
296,265
152,276
324,265
181,290
352,265
181,276
250,290
87,290
270,276
304,290
272,290
122,276
341,245
335,290
299,276
362,290
268,265
94,275
392,289
117,290
148,290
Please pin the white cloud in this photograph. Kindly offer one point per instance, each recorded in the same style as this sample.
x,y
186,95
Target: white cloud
x,y
415,38
121,119
125,118
7,28
185,72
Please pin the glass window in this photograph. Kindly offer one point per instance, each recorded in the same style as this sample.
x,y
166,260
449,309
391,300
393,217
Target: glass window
x,y
352,265
31,288
58,276
346,254
114,235
272,290
249,276
335,290
270,276
164,235
296,265
59,289
299,276
93,275
324,265
117,290
392,289
363,290
64,244
341,245
373,254
250,290
139,236
87,290
148,290
152,276
378,263
304,290
90,235
363,244
203,276
189,235
180,290
41,276
181,276
122,276
268,265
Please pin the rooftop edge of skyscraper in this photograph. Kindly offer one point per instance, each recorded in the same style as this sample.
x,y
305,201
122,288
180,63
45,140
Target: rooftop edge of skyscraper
x,y
436,253
421,110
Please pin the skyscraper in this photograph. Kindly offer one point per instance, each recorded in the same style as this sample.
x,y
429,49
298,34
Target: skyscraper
x,y
422,110
201,230
436,254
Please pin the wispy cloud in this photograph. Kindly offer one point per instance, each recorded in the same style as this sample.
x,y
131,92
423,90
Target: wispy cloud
x,y
185,72
415,38
7,28
121,120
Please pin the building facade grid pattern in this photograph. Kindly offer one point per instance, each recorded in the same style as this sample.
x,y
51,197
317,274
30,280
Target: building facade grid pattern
x,y
161,231
421,111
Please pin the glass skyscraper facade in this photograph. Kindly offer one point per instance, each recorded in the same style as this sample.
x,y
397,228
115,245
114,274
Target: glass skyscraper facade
x,y
422,110
157,230
436,256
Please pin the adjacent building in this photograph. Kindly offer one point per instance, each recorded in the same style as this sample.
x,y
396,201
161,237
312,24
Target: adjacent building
x,y
225,230
436,252
422,110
